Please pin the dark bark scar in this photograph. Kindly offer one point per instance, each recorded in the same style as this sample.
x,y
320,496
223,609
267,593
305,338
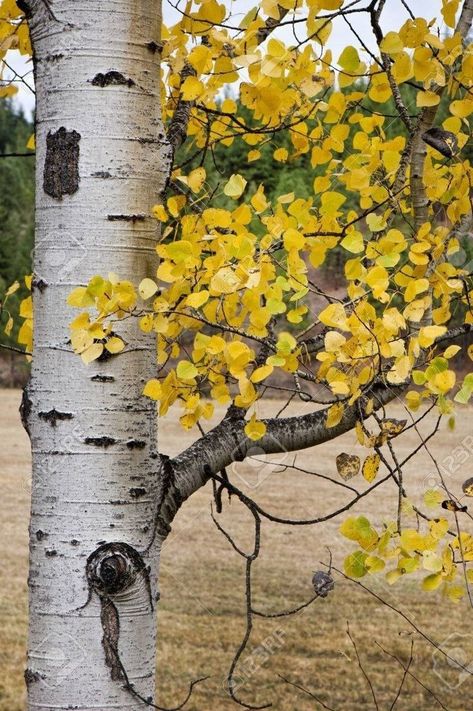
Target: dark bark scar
x,y
61,167
112,78
112,569
54,415
100,441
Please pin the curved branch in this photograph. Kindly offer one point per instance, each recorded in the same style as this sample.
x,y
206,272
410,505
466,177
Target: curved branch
x,y
227,442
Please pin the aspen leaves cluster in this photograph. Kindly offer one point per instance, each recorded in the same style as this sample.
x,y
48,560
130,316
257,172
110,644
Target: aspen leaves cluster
x,y
235,301
239,270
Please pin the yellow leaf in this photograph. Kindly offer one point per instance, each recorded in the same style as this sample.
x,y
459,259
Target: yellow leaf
x,y
114,345
153,389
225,281
9,326
191,89
378,279
255,429
198,299
371,466
334,315
92,352
160,213
281,155
201,58
333,341
353,242
293,239
428,335
147,288
80,298
285,343
433,498
11,289
393,427
449,11
186,370
31,145
261,373
334,415
391,43
196,179
376,223
253,155
444,381
462,108
427,98
259,201
235,186
432,582
330,202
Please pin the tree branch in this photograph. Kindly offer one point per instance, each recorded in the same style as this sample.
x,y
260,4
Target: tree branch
x,y
227,442
425,121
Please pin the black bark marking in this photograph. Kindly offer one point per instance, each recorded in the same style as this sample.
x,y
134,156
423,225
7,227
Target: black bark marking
x,y
30,676
38,283
103,378
25,409
101,174
41,534
24,6
100,441
54,415
61,167
149,140
105,355
51,553
112,78
135,444
154,47
126,218
53,57
137,491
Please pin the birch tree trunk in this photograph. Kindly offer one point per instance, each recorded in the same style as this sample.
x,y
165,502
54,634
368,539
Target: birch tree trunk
x,y
101,162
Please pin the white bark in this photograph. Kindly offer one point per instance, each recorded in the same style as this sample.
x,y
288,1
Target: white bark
x,y
88,490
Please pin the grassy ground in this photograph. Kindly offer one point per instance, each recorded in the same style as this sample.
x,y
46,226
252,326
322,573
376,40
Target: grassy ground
x,y
201,614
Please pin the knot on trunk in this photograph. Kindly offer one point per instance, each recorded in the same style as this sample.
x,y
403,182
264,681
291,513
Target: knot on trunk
x,y
112,571
113,568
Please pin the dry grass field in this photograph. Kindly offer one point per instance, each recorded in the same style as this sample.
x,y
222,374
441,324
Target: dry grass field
x,y
201,615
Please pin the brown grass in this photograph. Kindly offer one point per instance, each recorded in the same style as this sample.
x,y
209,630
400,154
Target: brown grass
x,y
201,614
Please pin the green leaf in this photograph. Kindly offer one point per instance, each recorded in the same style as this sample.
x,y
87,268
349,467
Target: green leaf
x,y
186,370
354,564
349,59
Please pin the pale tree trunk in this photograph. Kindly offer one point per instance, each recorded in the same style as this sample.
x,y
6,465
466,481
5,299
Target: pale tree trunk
x,y
102,160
